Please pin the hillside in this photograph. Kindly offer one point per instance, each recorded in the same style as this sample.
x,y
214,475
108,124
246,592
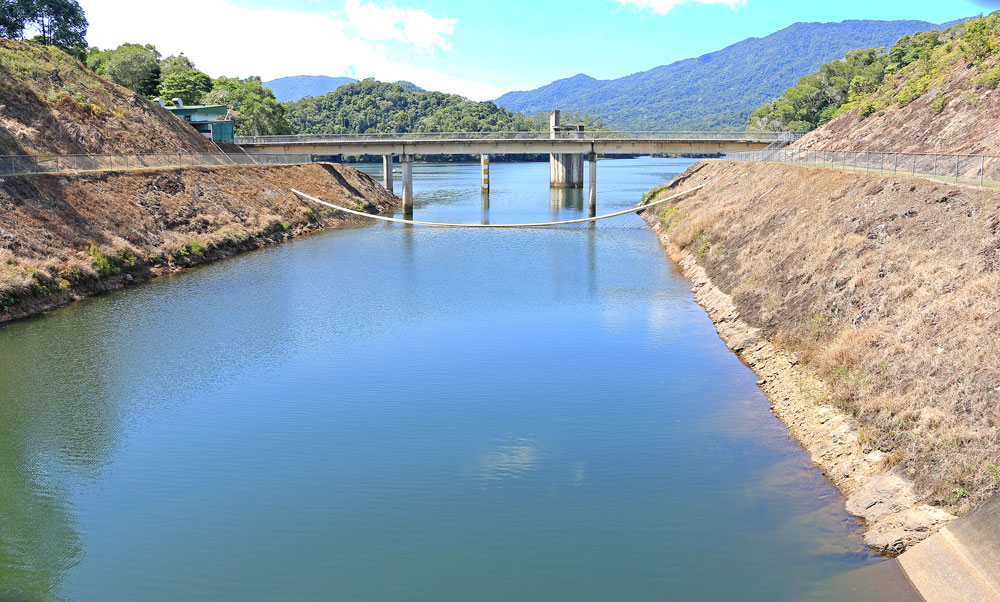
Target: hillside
x,y
372,106
716,90
51,103
944,100
867,306
295,87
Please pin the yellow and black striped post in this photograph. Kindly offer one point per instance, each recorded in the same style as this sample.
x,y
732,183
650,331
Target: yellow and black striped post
x,y
484,162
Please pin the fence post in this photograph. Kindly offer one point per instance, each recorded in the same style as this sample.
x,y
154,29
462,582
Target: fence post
x,y
881,163
982,171
895,162
958,158
914,172
934,167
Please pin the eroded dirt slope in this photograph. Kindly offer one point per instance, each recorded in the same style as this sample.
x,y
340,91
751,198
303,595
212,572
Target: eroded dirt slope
x,y
51,103
65,236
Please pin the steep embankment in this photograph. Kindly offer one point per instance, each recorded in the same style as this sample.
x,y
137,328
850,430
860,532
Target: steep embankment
x,y
51,103
63,237
868,307
945,101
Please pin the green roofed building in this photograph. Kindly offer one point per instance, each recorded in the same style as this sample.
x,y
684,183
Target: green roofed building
x,y
210,120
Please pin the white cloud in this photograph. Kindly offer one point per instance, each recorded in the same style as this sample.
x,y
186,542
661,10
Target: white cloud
x,y
662,7
414,26
226,39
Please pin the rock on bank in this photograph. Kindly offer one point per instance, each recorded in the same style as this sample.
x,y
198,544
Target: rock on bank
x,y
63,237
868,307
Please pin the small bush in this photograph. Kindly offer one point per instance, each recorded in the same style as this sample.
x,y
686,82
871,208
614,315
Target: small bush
x,y
8,301
103,264
938,105
868,108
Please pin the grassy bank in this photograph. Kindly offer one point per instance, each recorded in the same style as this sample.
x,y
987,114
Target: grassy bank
x,y
884,288
62,237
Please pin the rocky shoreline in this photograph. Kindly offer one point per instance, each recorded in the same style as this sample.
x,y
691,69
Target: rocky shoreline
x,y
883,497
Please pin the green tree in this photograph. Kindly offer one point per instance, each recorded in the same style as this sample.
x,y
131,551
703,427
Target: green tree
x,y
59,23
979,39
14,18
254,108
134,66
190,86
175,63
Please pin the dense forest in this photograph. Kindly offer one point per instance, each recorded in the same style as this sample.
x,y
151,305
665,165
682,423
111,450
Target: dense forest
x,y
874,78
371,106
716,90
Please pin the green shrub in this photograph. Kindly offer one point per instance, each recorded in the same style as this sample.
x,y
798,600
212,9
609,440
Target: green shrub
x,y
8,301
103,264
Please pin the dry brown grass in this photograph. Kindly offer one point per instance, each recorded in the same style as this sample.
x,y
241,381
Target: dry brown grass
x,y
888,288
61,233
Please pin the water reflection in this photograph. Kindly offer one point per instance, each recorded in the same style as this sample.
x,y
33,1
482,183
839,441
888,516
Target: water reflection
x,y
508,458
565,199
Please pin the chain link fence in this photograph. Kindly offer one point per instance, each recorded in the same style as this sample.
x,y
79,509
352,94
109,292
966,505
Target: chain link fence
x,y
13,165
977,170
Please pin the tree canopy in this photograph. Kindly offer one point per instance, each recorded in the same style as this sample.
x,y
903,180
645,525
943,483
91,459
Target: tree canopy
x,y
59,23
134,66
254,108
373,106
189,85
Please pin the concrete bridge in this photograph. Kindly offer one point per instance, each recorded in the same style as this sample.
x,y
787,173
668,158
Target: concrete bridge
x,y
567,147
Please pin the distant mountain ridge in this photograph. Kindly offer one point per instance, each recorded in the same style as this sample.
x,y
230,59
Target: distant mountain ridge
x,y
294,87
715,90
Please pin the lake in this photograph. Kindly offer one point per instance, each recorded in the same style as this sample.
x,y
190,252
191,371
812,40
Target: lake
x,y
406,413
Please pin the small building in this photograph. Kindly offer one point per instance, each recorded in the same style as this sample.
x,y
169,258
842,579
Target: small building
x,y
211,121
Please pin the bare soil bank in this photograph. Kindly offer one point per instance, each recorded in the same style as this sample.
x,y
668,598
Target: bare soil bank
x,y
869,308
63,237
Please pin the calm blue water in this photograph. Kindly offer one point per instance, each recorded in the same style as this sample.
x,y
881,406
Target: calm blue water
x,y
394,413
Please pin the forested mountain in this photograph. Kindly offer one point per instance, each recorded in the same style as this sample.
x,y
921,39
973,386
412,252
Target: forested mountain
x,y
296,87
716,90
373,106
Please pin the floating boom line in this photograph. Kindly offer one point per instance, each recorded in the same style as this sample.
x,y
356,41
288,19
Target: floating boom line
x,y
532,225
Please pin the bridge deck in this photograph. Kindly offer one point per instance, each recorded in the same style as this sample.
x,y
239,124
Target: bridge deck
x,y
515,143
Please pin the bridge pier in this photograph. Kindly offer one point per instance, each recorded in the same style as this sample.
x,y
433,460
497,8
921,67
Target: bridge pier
x,y
407,163
565,169
592,157
387,172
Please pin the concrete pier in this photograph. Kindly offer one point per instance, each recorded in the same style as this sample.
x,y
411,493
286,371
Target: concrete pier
x,y
592,196
565,169
387,172
407,162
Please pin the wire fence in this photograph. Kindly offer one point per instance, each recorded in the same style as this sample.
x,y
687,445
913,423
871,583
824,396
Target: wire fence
x,y
13,165
977,170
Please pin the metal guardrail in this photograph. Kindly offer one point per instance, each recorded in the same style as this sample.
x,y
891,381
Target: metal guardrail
x,y
978,170
515,136
12,165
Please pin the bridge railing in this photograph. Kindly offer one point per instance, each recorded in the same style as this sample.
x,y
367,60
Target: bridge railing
x,y
11,165
977,170
515,136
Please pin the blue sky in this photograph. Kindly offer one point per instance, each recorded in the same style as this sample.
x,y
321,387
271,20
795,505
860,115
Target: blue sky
x,y
479,49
